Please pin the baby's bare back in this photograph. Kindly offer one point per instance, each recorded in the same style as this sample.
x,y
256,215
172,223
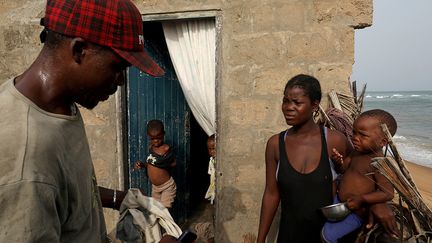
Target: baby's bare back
x,y
357,179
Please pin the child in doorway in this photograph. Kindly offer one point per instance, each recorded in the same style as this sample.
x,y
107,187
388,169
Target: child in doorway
x,y
211,147
205,230
361,184
159,161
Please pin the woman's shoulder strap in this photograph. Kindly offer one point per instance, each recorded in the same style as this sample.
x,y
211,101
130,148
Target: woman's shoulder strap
x,y
282,143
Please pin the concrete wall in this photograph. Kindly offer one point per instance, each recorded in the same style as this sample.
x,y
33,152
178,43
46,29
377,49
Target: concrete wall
x,y
262,43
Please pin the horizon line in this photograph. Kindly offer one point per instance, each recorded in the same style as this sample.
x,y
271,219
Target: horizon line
x,y
428,90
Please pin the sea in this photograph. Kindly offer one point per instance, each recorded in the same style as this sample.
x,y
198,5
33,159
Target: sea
x,y
413,113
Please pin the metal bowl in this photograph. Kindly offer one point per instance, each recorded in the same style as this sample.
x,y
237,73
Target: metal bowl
x,y
335,212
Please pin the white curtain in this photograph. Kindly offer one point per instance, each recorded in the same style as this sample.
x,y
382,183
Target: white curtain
x,y
192,47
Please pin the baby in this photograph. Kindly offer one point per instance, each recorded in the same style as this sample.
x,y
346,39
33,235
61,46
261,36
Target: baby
x,y
361,185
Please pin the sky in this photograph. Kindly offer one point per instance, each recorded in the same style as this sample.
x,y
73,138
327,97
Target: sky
x,y
395,53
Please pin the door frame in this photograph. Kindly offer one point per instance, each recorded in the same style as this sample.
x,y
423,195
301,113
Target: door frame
x,y
121,96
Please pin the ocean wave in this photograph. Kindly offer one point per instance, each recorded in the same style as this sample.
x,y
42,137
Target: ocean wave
x,y
413,113
418,153
394,96
399,138
399,95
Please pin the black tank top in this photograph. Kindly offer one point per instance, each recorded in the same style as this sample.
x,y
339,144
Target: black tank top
x,y
302,196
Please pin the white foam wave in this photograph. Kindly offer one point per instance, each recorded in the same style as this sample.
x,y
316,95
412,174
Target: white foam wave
x,y
399,138
414,153
395,95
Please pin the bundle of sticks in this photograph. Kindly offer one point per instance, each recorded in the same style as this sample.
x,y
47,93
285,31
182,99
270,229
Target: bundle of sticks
x,y
343,110
394,169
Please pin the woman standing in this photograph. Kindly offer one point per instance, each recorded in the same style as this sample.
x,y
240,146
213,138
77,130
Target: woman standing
x,y
299,173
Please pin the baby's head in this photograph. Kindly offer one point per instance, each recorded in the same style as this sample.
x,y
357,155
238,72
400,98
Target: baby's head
x,y
211,146
156,132
367,132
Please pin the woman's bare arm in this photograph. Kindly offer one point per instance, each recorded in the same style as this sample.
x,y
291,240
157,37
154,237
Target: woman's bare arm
x,y
271,198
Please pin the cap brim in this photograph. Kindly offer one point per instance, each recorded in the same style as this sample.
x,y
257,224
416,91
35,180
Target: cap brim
x,y
142,61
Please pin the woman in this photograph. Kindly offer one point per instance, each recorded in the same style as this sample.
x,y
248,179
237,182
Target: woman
x,y
298,171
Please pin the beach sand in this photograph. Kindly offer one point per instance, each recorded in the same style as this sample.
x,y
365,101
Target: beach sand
x,y
422,177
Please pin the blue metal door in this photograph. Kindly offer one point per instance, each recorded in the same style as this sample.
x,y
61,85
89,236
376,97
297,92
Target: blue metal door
x,y
158,98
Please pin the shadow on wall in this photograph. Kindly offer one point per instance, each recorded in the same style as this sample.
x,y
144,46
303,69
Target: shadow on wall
x,y
234,205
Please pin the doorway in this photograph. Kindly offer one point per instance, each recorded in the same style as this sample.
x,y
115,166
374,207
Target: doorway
x,y
162,98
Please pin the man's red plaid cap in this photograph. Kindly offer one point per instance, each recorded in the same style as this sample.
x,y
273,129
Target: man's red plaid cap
x,y
113,23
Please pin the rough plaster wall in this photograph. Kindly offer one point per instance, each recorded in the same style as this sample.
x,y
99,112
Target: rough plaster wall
x,y
19,35
262,44
19,46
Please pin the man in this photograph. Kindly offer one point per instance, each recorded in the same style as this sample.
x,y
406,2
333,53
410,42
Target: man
x,y
48,190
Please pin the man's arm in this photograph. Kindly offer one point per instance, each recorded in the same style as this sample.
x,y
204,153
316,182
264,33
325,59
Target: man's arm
x,y
108,201
111,198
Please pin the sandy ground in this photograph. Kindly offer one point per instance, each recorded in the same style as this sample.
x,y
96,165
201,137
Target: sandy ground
x,y
422,177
